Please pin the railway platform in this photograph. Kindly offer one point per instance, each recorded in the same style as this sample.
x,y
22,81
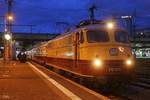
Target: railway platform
x,y
26,81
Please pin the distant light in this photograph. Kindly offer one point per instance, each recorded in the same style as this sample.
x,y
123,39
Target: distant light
x,y
110,25
142,33
7,37
2,47
126,17
10,18
138,45
17,43
5,29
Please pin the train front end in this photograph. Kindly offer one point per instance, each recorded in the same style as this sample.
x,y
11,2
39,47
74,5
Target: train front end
x,y
107,53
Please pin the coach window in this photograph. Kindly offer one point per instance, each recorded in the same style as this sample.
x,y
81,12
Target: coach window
x,y
81,37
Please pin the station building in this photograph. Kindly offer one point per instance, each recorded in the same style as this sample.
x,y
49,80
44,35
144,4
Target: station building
x,y
141,43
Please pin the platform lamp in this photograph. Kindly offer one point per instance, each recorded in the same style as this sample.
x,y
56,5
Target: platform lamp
x,y
7,38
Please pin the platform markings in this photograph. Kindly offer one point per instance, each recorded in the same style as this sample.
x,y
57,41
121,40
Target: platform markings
x,y
71,95
101,97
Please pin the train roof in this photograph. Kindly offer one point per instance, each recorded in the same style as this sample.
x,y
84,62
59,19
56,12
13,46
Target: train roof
x,y
96,25
100,27
87,27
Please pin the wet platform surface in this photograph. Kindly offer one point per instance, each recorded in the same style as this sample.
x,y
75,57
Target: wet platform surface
x,y
21,81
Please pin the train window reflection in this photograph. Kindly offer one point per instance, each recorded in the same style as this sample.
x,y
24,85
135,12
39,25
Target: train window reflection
x,y
97,36
121,36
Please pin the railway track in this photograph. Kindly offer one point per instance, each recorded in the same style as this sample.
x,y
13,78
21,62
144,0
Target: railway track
x,y
142,74
142,80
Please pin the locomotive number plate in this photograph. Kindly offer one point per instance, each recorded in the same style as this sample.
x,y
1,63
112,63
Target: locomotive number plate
x,y
114,69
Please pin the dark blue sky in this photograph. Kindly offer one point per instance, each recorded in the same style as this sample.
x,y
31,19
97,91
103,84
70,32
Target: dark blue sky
x,y
46,14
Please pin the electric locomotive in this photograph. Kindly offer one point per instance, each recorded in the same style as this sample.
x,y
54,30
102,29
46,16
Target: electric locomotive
x,y
93,50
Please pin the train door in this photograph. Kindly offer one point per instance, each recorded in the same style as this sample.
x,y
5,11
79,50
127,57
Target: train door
x,y
79,39
76,46
81,45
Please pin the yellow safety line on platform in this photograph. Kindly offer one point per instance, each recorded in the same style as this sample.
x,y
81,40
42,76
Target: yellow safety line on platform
x,y
59,86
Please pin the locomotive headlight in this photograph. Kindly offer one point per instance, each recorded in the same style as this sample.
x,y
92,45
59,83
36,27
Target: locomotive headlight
x,y
129,62
97,63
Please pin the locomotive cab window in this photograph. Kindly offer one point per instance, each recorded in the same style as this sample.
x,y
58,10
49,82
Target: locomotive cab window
x,y
121,36
97,36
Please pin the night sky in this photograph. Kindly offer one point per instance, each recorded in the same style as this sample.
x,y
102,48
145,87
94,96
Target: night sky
x,y
53,16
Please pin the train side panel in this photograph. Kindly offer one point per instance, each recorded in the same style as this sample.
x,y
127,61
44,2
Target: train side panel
x,y
68,53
